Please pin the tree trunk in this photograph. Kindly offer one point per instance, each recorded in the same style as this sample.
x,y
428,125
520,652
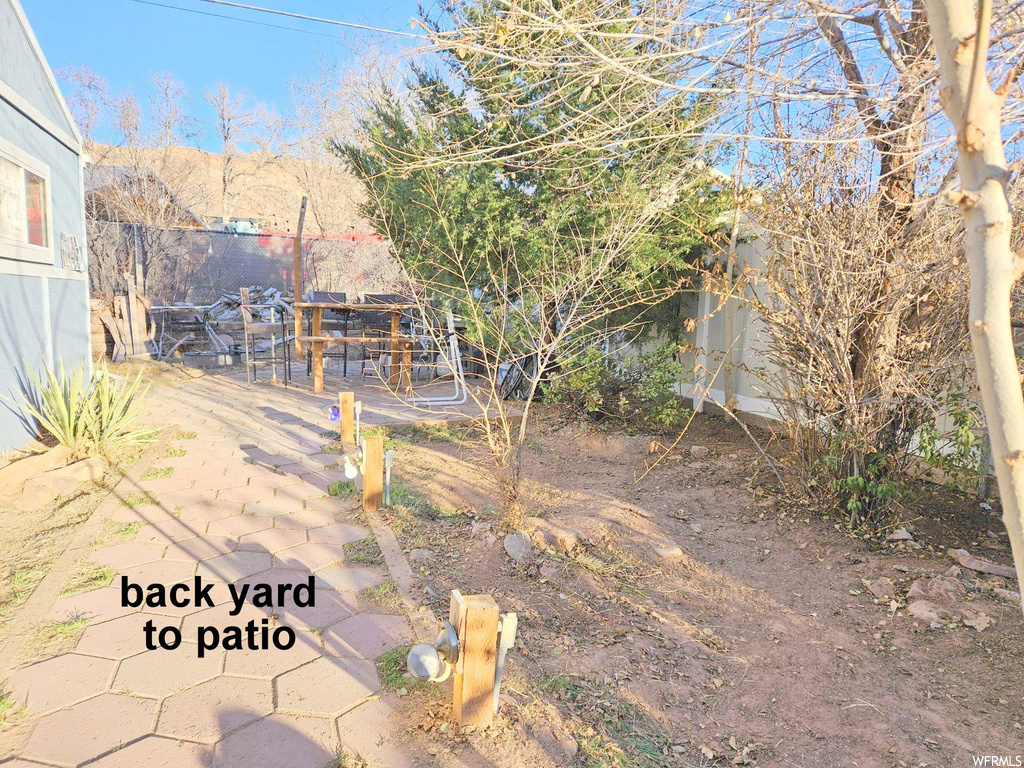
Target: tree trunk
x,y
974,110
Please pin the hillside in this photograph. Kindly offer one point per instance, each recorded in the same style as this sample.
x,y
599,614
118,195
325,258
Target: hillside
x,y
264,187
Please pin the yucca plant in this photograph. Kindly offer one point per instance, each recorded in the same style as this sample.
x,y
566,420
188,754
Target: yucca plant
x,y
117,402
88,416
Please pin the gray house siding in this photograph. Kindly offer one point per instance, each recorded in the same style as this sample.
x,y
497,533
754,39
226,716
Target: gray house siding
x,y
22,68
44,308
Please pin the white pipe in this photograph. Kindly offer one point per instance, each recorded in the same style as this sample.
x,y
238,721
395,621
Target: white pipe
x,y
461,394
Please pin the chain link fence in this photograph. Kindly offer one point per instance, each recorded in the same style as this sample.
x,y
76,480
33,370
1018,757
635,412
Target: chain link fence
x,y
197,266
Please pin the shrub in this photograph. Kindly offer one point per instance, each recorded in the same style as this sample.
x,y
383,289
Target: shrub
x,y
638,393
88,416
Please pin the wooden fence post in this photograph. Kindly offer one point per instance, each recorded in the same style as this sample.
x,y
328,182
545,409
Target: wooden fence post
x,y
475,618
347,415
373,472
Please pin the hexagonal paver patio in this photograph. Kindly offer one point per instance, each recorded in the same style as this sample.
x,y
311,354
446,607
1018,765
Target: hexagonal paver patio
x,y
160,672
326,686
59,681
119,638
89,729
367,635
234,566
214,709
279,740
228,516
159,752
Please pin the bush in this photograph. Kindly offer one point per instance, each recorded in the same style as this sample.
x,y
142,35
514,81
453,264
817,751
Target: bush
x,y
88,416
637,393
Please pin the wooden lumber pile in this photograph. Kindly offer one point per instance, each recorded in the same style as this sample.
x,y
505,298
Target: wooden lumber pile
x,y
129,326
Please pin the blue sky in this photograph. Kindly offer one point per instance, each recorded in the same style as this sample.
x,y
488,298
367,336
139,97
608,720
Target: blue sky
x,y
128,42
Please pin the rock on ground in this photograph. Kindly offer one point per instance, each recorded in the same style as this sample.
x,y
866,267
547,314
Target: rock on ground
x,y
668,551
518,546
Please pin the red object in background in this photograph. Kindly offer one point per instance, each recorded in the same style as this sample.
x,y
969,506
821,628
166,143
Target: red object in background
x,y
355,237
35,209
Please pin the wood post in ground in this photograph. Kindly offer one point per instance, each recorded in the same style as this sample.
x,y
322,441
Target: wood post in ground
x,y
373,472
347,417
318,350
394,372
475,618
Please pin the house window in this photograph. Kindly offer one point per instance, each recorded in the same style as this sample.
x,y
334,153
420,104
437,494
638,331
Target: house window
x,y
24,218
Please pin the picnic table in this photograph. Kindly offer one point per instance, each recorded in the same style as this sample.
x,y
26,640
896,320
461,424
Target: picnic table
x,y
400,370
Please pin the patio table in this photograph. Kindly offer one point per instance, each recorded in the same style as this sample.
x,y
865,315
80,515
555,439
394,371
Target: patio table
x,y
400,370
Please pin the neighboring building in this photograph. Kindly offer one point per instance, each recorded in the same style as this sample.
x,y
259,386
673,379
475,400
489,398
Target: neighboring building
x,y
135,195
44,290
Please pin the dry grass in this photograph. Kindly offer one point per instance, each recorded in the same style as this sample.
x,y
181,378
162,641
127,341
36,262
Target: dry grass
x,y
30,541
384,597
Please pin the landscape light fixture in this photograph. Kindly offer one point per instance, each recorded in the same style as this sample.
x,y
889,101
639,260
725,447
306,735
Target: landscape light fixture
x,y
472,645
433,662
355,462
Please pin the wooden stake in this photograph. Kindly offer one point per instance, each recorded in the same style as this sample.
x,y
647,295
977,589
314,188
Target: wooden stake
x,y
318,350
373,472
297,274
475,618
394,373
347,410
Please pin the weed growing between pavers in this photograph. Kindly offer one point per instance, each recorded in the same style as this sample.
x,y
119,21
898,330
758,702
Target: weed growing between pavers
x,y
114,531
138,499
88,576
174,452
55,637
384,596
6,705
341,488
157,472
364,552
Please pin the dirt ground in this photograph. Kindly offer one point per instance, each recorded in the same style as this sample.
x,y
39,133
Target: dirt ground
x,y
31,539
760,644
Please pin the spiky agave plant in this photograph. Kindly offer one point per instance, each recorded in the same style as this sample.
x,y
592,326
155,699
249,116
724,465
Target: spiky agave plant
x,y
88,415
116,402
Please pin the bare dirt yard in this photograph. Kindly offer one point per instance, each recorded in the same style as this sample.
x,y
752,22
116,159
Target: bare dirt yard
x,y
770,637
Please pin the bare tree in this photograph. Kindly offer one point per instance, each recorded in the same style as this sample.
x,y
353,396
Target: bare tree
x,y
962,40
247,136
140,189
90,98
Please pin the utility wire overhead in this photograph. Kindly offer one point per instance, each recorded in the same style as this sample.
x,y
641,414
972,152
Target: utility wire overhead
x,y
237,18
335,22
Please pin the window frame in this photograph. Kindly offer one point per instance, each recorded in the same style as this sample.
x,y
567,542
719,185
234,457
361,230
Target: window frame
x,y
15,249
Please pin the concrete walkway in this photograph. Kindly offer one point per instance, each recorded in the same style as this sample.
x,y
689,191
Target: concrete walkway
x,y
247,502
